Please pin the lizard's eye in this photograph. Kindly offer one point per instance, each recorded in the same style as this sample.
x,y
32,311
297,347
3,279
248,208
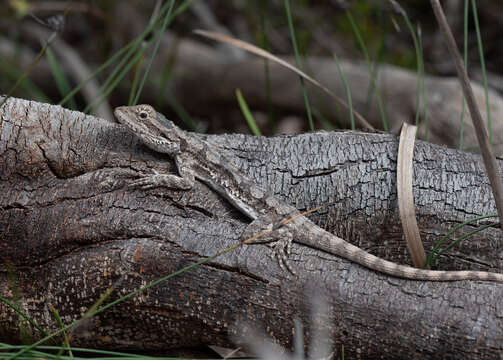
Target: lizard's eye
x,y
143,115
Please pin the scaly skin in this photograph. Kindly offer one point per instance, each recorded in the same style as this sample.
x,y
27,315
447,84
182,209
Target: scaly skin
x,y
198,159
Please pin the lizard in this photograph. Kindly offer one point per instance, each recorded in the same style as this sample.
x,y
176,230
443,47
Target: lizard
x,y
197,159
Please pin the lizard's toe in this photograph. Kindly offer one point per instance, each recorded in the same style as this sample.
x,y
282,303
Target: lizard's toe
x,y
282,249
143,183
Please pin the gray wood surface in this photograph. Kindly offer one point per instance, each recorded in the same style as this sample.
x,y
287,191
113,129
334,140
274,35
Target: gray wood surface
x,y
70,228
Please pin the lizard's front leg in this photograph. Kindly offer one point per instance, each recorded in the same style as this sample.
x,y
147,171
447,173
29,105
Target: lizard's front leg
x,y
185,181
270,229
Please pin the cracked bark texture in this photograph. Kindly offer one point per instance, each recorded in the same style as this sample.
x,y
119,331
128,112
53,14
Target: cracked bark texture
x,y
71,228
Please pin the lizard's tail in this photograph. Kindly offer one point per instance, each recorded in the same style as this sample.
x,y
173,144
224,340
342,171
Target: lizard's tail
x,y
333,244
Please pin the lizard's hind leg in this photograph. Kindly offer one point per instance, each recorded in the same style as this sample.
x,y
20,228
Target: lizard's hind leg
x,y
277,236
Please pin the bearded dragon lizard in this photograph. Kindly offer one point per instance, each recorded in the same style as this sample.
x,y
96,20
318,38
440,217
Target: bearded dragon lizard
x,y
198,159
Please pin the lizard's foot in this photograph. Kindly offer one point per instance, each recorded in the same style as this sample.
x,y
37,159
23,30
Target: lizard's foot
x,y
156,179
281,250
279,239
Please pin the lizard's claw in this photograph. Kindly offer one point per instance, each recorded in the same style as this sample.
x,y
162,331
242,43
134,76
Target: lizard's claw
x,y
156,179
282,247
145,181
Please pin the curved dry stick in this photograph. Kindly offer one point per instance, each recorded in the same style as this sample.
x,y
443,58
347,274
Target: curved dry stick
x,y
262,53
406,208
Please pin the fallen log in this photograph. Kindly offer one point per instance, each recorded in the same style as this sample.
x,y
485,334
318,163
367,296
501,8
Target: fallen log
x,y
71,228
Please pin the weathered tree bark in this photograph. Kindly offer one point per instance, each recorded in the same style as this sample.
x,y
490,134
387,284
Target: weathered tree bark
x,y
71,228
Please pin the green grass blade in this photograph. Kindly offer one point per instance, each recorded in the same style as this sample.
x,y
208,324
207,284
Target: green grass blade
x,y
247,114
455,242
65,337
298,62
348,93
431,255
371,68
163,94
136,80
418,62
423,87
264,44
465,56
90,313
127,48
23,315
264,54
132,57
27,85
181,113
38,352
114,82
323,120
21,79
133,44
62,82
167,20
483,68
25,74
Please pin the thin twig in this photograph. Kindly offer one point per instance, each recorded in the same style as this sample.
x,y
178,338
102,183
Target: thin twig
x,y
267,55
480,130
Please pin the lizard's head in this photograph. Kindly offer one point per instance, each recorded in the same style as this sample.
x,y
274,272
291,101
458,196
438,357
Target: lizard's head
x,y
144,122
